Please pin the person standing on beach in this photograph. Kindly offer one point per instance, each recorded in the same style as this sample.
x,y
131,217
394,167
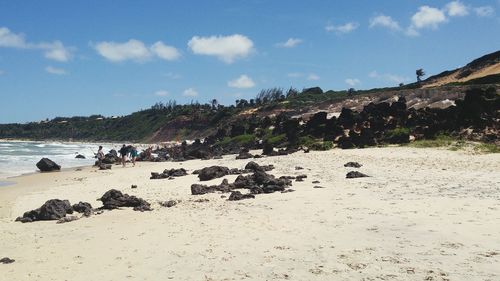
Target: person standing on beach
x,y
100,155
133,154
123,153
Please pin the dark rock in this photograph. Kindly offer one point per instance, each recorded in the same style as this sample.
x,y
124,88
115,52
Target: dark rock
x,y
168,204
83,208
236,195
6,260
317,186
53,209
212,172
244,155
114,199
355,174
105,167
79,156
252,166
300,177
298,168
353,165
315,182
198,189
47,165
133,186
288,190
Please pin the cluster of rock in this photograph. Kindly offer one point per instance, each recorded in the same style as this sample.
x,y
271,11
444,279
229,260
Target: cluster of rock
x,y
169,174
213,172
56,209
258,182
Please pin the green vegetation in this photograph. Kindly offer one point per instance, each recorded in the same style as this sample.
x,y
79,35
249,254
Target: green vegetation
x,y
238,140
487,148
276,140
322,146
439,141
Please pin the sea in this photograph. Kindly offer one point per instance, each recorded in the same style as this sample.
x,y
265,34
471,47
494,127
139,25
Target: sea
x,y
20,157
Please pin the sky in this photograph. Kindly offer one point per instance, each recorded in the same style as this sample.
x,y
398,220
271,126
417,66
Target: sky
x,y
77,58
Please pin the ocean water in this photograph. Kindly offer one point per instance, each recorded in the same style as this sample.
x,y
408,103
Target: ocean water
x,y
18,158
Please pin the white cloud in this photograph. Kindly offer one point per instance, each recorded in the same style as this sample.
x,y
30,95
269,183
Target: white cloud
x,y
388,77
11,40
56,71
52,50
384,21
427,17
484,11
56,51
226,48
295,75
346,28
165,52
456,9
116,52
352,82
173,76
161,93
313,77
191,92
290,43
242,82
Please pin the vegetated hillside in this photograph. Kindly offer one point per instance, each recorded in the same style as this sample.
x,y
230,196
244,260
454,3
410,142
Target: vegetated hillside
x,y
173,122
485,68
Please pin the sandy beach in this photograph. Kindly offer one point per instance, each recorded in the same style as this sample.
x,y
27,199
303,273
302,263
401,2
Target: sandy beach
x,y
423,214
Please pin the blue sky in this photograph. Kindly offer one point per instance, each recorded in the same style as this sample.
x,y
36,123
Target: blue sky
x,y
67,58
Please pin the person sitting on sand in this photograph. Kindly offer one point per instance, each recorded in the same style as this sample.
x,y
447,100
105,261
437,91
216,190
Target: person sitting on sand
x,y
100,155
123,153
133,154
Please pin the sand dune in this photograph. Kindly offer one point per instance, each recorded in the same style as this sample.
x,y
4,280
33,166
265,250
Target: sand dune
x,y
424,214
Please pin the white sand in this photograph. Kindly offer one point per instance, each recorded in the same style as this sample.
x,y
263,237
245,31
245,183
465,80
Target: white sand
x,y
424,214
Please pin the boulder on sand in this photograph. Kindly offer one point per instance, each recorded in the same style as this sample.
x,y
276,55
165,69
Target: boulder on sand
x,y
53,209
213,172
355,174
47,165
83,207
236,195
113,199
79,156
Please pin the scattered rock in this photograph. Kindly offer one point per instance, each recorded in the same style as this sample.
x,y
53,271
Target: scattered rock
x,y
79,156
288,190
300,177
236,195
6,260
201,200
133,186
355,174
317,186
168,204
114,199
244,154
315,182
298,168
252,166
353,165
169,174
47,165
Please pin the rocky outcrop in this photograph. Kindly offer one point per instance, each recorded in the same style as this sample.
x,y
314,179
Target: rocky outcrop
x,y
236,195
83,208
47,165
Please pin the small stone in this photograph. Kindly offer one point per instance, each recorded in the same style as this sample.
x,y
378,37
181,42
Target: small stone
x,y
133,186
6,260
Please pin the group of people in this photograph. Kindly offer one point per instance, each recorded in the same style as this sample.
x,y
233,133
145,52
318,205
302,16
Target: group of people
x,y
126,152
